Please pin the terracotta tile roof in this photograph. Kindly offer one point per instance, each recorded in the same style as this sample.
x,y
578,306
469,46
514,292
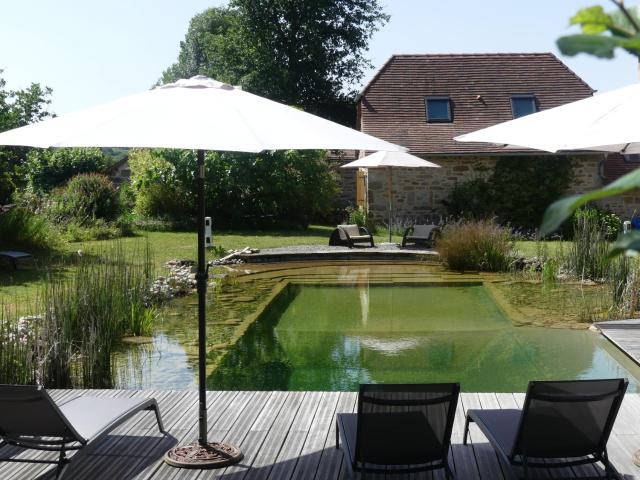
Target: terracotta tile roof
x,y
480,86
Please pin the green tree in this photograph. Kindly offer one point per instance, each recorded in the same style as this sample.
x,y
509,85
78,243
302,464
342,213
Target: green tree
x,y
47,169
305,53
604,32
18,108
284,188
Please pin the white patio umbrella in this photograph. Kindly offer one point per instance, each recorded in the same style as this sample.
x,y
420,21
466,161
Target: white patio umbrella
x,y
606,122
201,114
388,160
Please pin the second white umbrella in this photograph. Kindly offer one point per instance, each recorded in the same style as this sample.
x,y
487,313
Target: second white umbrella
x,y
388,160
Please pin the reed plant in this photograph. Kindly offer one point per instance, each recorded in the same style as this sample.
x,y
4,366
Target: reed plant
x,y
83,318
587,257
17,359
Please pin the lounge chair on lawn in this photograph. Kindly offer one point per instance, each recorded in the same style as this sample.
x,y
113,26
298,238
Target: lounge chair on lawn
x,y
30,418
566,421
349,235
420,235
399,428
13,256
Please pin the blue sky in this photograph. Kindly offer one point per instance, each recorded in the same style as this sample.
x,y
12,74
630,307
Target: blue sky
x,y
93,51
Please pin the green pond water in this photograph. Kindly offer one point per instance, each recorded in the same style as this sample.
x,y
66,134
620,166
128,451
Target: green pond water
x,y
323,333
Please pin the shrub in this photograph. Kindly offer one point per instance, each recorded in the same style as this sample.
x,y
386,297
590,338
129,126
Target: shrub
x,y
96,230
126,198
476,245
274,189
47,169
359,216
158,191
20,228
88,197
164,200
609,223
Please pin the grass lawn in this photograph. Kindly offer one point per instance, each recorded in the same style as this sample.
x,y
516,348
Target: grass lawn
x,y
20,288
534,249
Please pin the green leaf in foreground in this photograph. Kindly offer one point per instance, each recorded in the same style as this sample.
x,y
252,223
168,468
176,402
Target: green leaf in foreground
x,y
561,210
626,243
598,45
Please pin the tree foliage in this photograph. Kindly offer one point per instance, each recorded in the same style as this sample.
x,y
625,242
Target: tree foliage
x,y
286,188
304,53
47,169
604,32
18,108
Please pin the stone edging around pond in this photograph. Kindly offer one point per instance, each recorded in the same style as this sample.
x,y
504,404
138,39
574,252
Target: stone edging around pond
x,y
325,252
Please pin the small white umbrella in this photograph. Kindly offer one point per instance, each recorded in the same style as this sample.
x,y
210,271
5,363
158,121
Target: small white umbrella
x,y
201,114
388,160
606,122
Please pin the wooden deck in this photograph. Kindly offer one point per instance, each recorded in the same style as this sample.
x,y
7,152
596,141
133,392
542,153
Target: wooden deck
x,y
289,435
625,334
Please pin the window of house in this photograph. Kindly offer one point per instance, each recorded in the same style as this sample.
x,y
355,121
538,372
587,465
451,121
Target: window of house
x,y
438,109
522,105
632,158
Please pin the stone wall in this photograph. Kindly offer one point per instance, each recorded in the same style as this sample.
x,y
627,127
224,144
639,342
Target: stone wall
x,y
419,193
347,184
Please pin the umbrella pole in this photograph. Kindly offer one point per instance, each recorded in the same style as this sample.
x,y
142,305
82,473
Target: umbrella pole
x,y
202,454
201,279
389,192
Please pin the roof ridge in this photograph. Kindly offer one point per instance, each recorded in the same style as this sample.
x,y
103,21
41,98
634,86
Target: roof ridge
x,y
471,54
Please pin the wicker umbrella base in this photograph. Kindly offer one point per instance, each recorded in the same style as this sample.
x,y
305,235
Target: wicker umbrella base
x,y
636,458
209,455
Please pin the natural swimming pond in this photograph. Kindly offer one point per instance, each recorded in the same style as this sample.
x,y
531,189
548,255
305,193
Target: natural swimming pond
x,y
332,327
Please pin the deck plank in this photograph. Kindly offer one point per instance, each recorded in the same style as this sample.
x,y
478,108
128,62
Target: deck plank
x,y
320,432
488,464
290,435
253,441
464,460
332,464
287,459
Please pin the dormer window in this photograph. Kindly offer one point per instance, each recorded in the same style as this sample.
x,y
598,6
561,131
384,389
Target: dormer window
x,y
438,109
522,105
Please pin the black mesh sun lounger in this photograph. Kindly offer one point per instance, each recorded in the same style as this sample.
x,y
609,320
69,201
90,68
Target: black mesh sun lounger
x,y
565,423
29,418
399,428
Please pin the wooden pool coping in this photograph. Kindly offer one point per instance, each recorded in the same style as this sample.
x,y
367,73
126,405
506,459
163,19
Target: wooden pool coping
x,y
624,334
289,435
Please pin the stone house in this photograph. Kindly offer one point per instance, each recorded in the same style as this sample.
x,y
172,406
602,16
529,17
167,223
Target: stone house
x,y
423,101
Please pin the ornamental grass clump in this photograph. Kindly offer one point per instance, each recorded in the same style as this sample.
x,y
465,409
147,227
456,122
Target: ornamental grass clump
x,y
476,245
